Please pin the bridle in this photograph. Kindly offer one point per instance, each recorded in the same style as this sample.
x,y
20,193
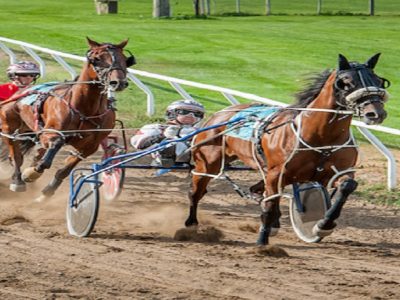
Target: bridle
x,y
372,89
102,70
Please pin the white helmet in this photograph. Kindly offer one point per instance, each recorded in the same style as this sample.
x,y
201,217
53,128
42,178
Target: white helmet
x,y
23,67
184,106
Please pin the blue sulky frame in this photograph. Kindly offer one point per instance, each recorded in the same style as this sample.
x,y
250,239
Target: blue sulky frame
x,y
75,187
305,209
297,189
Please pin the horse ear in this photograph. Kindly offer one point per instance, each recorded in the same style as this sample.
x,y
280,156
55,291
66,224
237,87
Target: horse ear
x,y
122,44
343,63
371,63
92,43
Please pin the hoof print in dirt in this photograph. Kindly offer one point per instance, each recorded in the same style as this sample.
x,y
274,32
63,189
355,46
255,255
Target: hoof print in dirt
x,y
249,227
208,234
270,250
13,220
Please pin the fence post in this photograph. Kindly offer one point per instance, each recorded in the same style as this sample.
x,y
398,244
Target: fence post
x,y
319,7
238,6
371,7
161,8
268,7
106,6
208,9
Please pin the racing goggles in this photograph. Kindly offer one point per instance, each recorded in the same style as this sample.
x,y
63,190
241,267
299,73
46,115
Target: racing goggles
x,y
185,112
25,75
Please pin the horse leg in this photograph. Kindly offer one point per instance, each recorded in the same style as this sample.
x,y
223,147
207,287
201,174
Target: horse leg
x,y
38,156
270,211
325,226
70,163
9,125
32,173
60,175
258,190
276,224
17,184
199,185
199,189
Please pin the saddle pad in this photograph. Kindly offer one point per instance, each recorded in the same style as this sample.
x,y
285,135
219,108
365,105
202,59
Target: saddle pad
x,y
245,132
42,88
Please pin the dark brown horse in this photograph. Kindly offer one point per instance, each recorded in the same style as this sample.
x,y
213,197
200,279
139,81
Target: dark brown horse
x,y
309,141
74,113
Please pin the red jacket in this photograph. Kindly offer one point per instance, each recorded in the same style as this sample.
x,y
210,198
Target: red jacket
x,y
7,90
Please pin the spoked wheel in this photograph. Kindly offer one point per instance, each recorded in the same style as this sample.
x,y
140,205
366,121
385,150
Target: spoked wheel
x,y
6,168
307,207
113,180
82,217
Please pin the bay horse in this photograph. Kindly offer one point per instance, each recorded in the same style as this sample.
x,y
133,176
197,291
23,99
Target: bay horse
x,y
309,141
80,113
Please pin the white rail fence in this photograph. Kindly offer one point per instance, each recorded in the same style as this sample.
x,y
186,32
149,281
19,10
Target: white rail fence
x,y
177,84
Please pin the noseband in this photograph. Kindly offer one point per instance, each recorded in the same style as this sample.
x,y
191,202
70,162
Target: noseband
x,y
103,72
369,91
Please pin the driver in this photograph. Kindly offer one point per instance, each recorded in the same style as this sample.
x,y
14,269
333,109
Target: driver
x,y
182,117
22,75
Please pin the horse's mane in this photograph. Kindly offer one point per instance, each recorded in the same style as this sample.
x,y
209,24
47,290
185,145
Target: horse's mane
x,y
311,91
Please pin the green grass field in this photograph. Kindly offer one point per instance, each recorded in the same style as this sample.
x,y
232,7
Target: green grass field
x,y
268,56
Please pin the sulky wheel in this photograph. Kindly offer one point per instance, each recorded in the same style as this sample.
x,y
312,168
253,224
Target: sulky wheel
x,y
82,216
113,182
307,207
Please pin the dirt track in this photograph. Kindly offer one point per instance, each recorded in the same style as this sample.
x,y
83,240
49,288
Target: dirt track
x,y
132,253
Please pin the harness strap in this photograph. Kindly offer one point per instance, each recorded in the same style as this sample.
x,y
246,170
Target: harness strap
x,y
235,126
221,173
38,109
17,97
321,149
82,117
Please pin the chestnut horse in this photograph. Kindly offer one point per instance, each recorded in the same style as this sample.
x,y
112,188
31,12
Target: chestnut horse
x,y
79,113
310,141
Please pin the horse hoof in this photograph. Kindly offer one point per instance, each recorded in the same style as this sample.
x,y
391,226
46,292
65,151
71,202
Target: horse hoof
x,y
30,174
261,242
274,231
321,232
17,187
190,223
262,236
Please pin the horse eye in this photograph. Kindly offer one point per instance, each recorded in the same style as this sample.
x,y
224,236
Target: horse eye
x,y
340,84
347,79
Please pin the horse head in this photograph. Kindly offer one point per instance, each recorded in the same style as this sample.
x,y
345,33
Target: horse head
x,y
109,64
359,89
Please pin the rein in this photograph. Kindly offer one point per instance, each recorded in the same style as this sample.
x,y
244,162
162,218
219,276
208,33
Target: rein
x,y
328,110
26,135
81,116
15,98
28,93
325,150
263,123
